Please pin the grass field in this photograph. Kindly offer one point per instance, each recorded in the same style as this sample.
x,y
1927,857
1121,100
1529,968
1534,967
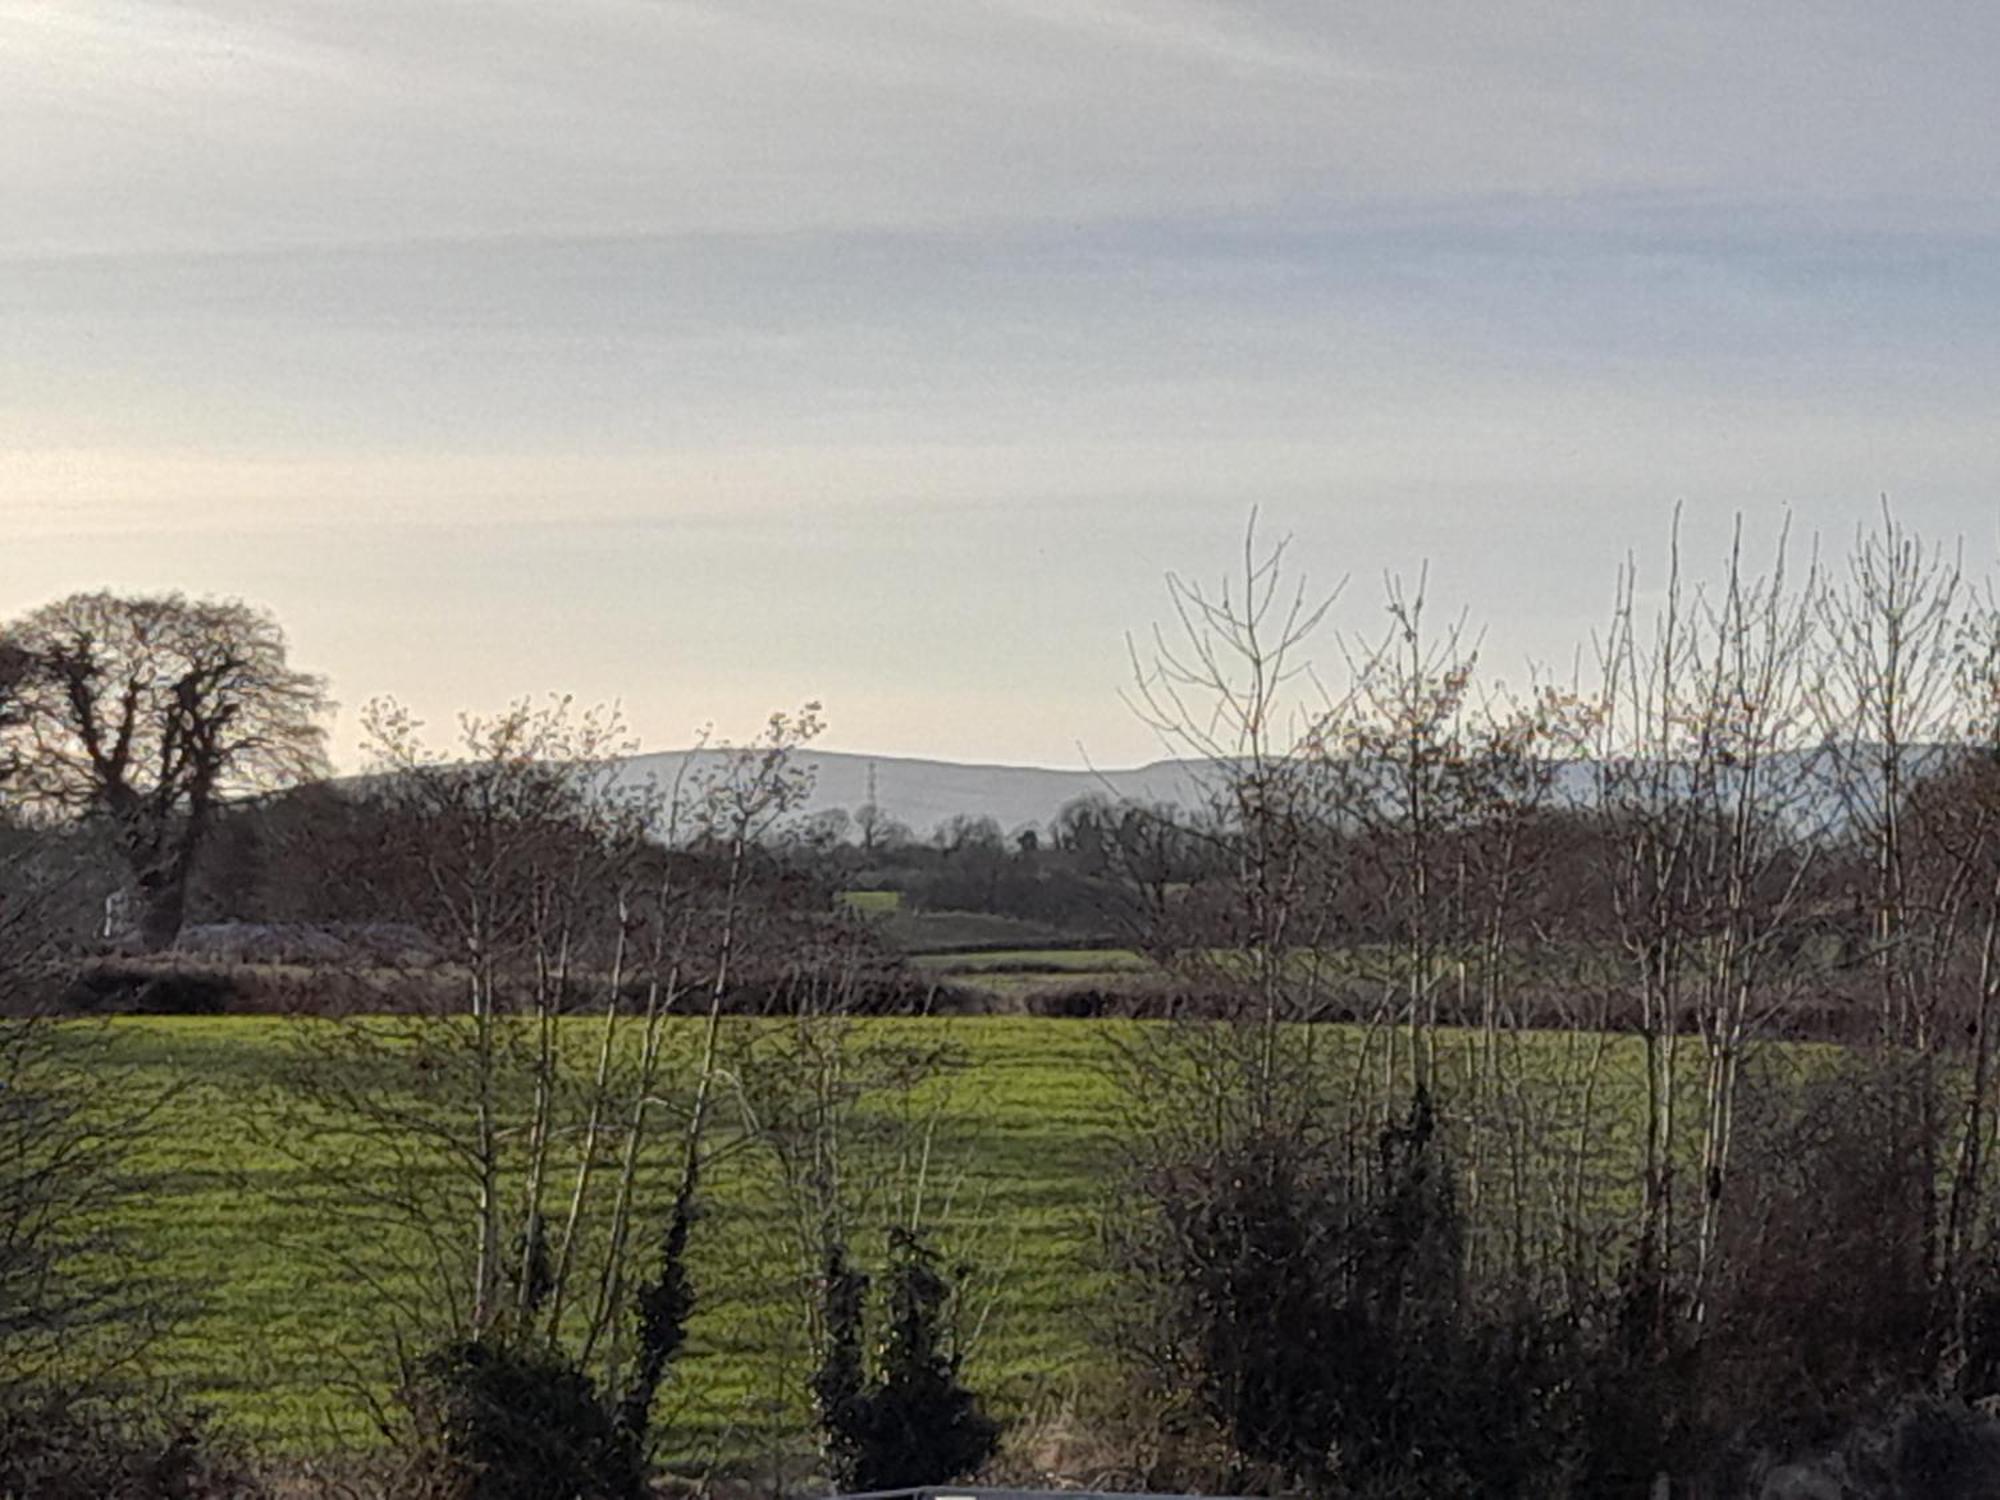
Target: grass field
x,y
1027,1136
873,903
1023,1139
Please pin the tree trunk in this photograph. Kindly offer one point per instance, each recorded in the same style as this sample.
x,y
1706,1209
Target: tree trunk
x,y
161,860
162,907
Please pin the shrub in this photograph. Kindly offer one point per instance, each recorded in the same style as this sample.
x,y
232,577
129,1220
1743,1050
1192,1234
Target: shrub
x,y
1314,1315
57,1446
493,1421
912,1420
1833,1217
150,990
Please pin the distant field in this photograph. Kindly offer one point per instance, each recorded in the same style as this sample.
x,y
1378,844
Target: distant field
x,y
872,903
1028,1133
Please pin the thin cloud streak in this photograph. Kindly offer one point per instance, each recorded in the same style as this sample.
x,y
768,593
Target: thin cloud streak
x,y
263,122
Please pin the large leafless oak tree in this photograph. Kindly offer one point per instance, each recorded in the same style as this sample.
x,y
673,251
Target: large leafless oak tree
x,y
147,712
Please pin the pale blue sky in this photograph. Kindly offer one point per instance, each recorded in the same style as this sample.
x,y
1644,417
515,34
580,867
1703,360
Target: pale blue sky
x,y
716,356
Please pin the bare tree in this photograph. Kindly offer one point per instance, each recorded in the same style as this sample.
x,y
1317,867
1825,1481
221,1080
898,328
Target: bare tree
x,y
1710,825
147,712
1229,686
853,1119
524,848
1891,698
81,1302
518,1139
734,811
1976,851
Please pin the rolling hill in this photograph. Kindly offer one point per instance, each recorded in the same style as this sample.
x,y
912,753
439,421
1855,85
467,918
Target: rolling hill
x,y
1816,790
926,793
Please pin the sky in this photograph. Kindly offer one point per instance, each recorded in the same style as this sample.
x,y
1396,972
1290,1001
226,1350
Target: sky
x,y
714,357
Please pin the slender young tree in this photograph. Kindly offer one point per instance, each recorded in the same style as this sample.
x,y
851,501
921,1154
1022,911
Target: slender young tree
x,y
1229,686
1890,697
734,811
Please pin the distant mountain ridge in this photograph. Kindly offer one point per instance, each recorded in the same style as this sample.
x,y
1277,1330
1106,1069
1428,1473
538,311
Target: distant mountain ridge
x,y
923,794
1807,786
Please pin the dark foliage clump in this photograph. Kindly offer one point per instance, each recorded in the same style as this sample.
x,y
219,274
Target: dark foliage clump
x,y
1317,1319
495,1421
1631,1371
663,1305
1823,1313
911,1420
1315,1316
1922,1448
149,990
58,1446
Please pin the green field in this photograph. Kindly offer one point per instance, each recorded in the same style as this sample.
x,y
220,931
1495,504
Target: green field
x,y
873,903
283,1343
1020,1153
